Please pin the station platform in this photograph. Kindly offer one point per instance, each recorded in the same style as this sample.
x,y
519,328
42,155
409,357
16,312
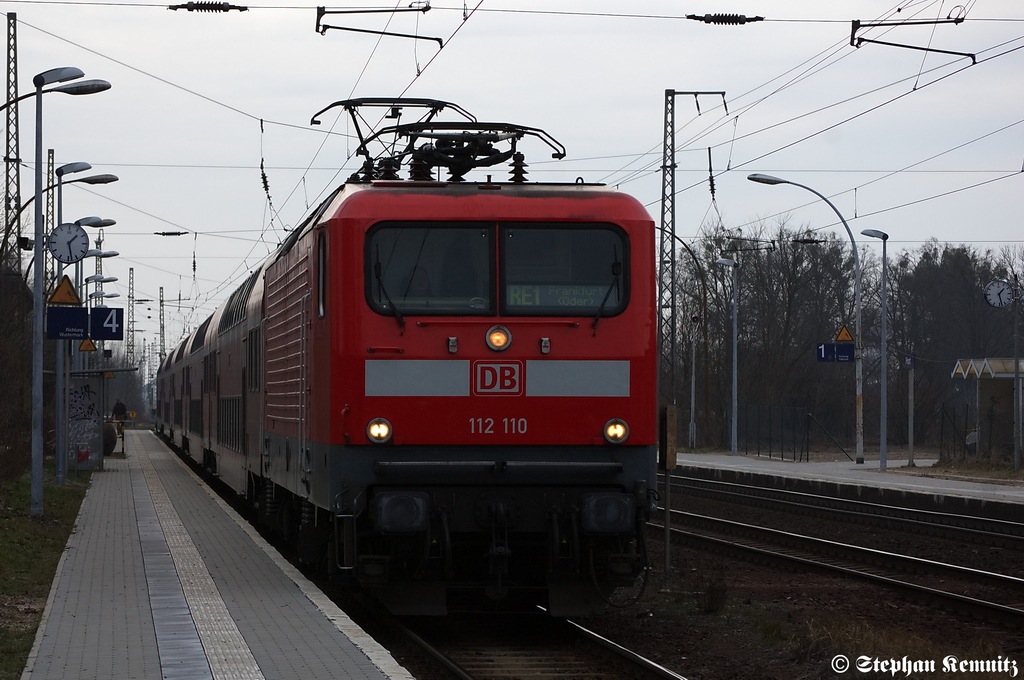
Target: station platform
x,y
162,579
898,485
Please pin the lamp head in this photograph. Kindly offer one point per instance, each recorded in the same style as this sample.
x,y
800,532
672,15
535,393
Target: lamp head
x,y
874,233
71,167
98,179
766,179
94,221
726,262
85,87
57,75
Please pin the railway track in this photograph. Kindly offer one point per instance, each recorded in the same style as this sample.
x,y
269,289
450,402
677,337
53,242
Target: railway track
x,y
486,646
987,595
958,527
528,645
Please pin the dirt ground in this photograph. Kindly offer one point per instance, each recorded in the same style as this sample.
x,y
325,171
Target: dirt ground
x,y
719,618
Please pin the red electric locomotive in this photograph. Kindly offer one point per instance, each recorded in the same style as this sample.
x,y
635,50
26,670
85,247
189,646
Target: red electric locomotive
x,y
441,389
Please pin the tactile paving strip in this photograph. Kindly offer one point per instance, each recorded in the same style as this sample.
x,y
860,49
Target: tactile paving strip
x,y
226,650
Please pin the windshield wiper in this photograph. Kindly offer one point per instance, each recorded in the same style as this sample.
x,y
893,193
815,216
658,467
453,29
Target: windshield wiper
x,y
381,288
616,272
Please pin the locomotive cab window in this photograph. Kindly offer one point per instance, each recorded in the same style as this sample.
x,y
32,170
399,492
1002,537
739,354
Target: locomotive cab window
x,y
555,270
430,268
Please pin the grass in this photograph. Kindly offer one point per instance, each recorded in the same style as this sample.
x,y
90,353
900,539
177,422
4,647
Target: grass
x,y
30,549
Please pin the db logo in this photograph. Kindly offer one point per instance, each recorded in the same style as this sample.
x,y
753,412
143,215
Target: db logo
x,y
505,378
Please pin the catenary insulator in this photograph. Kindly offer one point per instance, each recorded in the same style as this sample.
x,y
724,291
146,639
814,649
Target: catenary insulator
x,y
724,18
209,7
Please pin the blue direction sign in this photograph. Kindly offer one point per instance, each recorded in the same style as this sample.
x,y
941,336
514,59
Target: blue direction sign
x,y
835,351
106,323
67,323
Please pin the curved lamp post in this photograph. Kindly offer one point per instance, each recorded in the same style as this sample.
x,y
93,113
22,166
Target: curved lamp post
x,y
59,405
883,426
56,75
726,262
82,87
858,352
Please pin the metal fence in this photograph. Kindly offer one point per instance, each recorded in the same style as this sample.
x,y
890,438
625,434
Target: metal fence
x,y
773,431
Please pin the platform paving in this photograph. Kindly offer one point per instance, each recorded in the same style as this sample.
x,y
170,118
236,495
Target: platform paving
x,y
897,477
162,579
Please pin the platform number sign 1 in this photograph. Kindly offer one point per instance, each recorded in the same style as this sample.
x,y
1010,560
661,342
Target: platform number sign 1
x,y
106,323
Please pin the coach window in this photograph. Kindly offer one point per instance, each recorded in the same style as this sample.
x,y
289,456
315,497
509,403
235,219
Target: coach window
x,y
424,268
321,275
559,270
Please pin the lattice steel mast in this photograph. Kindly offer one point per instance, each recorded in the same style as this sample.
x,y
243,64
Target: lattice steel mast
x,y
129,350
9,254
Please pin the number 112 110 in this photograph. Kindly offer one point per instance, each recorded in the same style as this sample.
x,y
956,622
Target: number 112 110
x,y
491,426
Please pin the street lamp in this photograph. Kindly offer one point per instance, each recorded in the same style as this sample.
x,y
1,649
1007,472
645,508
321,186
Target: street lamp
x,y
52,76
883,425
858,352
61,383
726,262
692,440
59,403
56,75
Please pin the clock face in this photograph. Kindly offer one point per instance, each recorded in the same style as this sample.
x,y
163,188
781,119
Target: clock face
x,y
999,293
68,243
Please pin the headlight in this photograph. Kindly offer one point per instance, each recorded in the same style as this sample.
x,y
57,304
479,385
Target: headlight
x,y
499,338
401,512
616,431
379,430
608,513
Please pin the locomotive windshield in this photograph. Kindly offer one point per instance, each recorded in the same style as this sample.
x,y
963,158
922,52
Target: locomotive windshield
x,y
440,268
449,268
553,270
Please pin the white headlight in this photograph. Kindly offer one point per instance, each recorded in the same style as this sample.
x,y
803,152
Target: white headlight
x,y
379,430
616,431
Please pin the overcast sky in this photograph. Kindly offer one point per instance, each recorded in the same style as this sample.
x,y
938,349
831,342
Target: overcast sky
x,y
918,144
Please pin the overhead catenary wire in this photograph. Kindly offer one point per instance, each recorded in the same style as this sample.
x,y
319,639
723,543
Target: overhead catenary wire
x,y
736,141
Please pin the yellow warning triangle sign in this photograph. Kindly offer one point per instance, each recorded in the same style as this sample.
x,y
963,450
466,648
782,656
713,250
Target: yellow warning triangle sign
x,y
87,346
844,335
65,293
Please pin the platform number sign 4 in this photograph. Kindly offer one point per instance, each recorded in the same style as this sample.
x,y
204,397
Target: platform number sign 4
x,y
106,323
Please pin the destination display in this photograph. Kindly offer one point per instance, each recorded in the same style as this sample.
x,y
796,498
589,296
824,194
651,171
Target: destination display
x,y
67,323
555,295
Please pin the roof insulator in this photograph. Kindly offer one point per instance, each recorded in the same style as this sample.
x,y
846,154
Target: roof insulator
x,y
724,18
518,172
419,169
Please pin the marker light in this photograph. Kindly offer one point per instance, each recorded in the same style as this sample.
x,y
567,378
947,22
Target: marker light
x,y
499,338
616,431
379,430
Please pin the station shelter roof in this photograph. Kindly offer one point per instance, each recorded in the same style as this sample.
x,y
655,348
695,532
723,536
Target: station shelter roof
x,y
986,368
